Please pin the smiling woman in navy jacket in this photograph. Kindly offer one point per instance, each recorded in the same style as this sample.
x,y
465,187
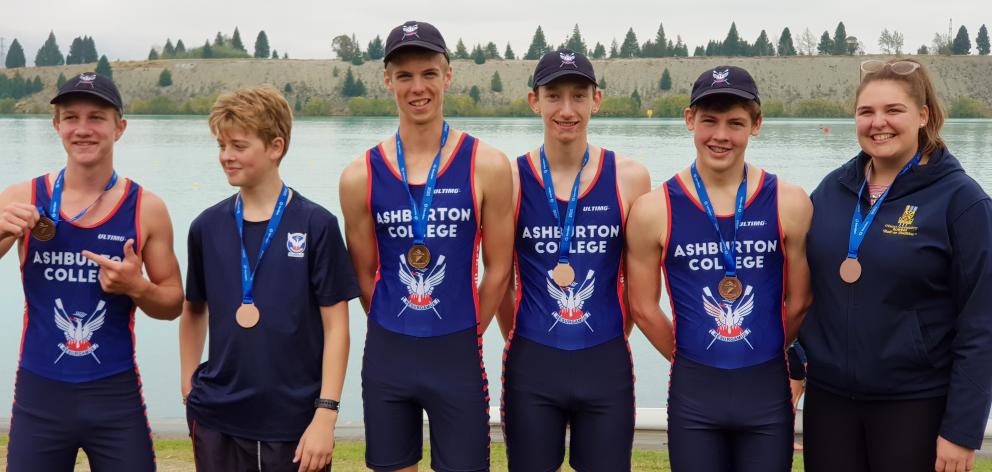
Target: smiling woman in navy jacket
x,y
899,337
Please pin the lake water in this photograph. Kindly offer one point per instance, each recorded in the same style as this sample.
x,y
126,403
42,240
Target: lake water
x,y
176,158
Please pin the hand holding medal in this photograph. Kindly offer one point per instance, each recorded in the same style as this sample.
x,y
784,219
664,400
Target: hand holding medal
x,y
850,269
563,274
730,287
419,257
248,315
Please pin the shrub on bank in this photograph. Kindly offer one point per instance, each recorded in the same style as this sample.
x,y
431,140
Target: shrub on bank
x,y
670,106
7,105
820,108
619,106
361,106
965,107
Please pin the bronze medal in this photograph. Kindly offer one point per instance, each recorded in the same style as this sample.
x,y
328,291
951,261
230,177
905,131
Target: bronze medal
x,y
563,274
247,315
419,257
850,270
44,230
730,288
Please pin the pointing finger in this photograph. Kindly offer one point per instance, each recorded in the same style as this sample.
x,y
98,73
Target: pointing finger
x,y
98,259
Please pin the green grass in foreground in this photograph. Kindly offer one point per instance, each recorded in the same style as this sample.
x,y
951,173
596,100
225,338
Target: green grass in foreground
x,y
176,455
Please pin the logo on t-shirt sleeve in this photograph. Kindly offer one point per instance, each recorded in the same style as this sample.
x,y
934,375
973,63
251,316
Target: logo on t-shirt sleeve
x,y
297,244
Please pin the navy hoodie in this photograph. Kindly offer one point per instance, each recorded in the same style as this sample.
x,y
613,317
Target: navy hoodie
x,y
918,324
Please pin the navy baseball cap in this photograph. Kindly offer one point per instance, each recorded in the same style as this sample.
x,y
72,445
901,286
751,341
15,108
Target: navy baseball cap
x,y
725,80
561,63
415,33
91,83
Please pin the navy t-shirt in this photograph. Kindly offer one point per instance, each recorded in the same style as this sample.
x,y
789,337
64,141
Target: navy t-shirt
x,y
260,383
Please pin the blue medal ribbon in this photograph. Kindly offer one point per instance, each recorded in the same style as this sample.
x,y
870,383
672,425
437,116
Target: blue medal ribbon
x,y
420,215
247,272
56,203
728,250
568,229
859,224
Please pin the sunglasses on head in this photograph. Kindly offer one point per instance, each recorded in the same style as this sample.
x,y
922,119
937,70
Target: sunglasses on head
x,y
872,66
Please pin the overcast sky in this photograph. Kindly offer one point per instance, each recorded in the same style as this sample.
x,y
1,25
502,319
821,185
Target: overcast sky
x,y
126,30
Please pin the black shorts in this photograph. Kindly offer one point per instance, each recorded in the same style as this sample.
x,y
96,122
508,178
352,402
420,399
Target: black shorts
x,y
730,419
403,376
105,418
214,451
590,390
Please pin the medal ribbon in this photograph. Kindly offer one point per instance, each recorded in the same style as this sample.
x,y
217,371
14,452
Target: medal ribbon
x,y
420,215
247,273
568,228
859,224
728,250
56,203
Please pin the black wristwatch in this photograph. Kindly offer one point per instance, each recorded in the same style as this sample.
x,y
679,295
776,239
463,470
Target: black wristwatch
x,y
326,403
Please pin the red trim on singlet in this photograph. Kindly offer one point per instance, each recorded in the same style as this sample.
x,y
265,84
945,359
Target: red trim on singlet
x,y
451,158
592,185
664,270
65,218
695,201
621,272
137,221
478,237
137,373
24,259
375,239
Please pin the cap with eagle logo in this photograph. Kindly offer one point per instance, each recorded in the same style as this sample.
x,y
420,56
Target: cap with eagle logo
x,y
725,80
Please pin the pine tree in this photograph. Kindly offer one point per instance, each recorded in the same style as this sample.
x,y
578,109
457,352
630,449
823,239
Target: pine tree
x,y
60,81
103,68
698,52
614,49
636,98
538,45
299,105
460,51
982,41
732,43
275,54
153,55
75,55
666,81
89,50
602,83
923,50
530,81
36,85
49,53
262,45
599,52
475,94
15,56
661,43
168,50
575,41
288,89
785,45
376,50
962,43
840,40
492,52
180,48
165,78
762,46
508,53
826,45
496,84
478,55
285,55
207,52
352,87
236,42
630,46
219,40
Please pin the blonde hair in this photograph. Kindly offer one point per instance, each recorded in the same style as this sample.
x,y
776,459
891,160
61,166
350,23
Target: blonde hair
x,y
259,110
921,91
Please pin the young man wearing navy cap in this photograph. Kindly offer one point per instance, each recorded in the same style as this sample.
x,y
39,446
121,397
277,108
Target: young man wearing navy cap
x,y
86,238
269,276
416,213
724,233
567,362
